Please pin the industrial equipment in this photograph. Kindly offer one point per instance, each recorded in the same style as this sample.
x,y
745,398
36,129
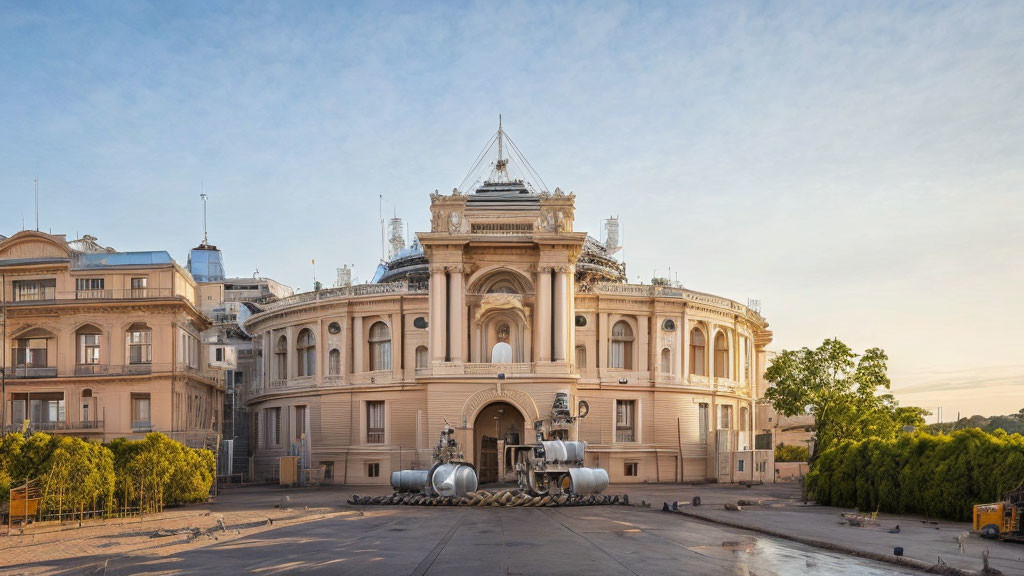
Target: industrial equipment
x,y
450,476
1002,520
554,465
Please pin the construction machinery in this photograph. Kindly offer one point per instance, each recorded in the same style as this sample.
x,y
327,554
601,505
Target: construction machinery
x,y
554,465
1002,520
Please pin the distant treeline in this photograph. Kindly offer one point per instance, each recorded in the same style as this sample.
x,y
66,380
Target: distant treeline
x,y
1010,423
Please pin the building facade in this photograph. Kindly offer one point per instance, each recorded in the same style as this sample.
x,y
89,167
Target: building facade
x,y
500,306
103,344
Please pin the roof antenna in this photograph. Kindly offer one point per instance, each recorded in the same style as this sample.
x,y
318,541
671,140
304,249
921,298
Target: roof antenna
x,y
380,214
203,196
37,204
502,163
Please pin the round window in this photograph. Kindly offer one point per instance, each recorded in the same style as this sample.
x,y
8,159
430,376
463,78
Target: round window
x,y
669,325
581,321
334,327
420,322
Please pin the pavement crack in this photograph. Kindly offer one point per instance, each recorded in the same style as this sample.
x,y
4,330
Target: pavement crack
x,y
429,559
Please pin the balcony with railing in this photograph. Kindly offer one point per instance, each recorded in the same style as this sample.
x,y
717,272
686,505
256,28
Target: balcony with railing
x,y
52,295
383,288
489,369
99,370
57,427
142,426
16,371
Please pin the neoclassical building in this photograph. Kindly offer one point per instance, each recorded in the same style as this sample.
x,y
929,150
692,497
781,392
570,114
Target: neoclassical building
x,y
500,306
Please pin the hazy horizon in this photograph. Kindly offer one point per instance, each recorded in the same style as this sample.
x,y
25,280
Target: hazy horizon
x,y
857,169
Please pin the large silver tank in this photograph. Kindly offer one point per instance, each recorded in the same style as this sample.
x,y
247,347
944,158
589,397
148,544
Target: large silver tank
x,y
409,480
453,480
559,451
588,480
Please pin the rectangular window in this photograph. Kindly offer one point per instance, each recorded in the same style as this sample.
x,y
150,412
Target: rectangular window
x,y
219,354
725,422
631,469
88,348
272,427
300,421
85,412
140,413
46,408
89,288
256,438
375,422
140,347
19,407
702,417
31,353
139,287
739,465
625,417
28,290
373,470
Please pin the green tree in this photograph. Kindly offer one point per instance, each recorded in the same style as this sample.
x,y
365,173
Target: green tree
x,y
791,453
840,389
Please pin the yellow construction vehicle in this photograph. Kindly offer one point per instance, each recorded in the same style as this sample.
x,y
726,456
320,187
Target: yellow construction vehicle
x,y
1002,520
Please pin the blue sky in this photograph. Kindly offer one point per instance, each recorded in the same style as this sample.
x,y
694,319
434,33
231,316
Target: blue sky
x,y
855,166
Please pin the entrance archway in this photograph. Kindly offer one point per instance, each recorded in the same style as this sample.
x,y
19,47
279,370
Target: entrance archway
x,y
498,424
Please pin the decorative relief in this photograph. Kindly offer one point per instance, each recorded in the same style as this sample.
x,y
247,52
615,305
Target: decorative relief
x,y
500,301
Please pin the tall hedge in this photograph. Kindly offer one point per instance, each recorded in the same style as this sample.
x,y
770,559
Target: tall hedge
x,y
75,474
940,476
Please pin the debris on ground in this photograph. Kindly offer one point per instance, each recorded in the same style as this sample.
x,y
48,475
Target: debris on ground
x,y
487,498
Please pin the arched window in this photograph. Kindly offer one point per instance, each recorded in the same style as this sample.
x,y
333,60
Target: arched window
x,y
581,357
697,350
666,361
744,417
334,362
305,345
88,340
281,357
140,344
621,354
721,356
421,357
501,353
380,347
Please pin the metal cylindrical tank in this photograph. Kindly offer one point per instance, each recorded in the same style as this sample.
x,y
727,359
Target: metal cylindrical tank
x,y
588,480
554,451
453,480
575,451
409,480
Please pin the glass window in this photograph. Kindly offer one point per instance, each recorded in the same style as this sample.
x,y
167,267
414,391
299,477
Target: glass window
x,y
140,413
625,416
88,348
46,408
281,358
375,422
721,356
139,286
698,346
621,354
140,345
31,353
306,347
380,347
26,290
89,288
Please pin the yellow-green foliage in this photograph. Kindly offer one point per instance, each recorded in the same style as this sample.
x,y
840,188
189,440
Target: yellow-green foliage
x,y
938,476
791,453
159,465
75,474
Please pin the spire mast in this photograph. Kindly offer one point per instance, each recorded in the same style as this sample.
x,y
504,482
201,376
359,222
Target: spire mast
x,y
500,135
203,196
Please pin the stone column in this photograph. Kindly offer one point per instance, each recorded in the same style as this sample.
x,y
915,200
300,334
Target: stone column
x,y
643,345
544,315
456,312
561,314
602,340
438,314
357,345
677,362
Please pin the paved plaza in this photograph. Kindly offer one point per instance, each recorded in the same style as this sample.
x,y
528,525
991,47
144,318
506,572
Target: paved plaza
x,y
313,531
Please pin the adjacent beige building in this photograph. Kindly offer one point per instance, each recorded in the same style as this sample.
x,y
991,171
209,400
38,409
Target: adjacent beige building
x,y
500,306
103,344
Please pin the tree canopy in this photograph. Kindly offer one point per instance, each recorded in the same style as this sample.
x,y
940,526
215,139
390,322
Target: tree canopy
x,y
841,390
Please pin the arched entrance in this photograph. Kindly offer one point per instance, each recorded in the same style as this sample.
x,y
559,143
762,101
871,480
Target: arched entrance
x,y
498,424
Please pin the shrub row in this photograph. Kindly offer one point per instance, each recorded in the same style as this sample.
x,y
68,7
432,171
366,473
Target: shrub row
x,y
74,474
941,476
792,453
